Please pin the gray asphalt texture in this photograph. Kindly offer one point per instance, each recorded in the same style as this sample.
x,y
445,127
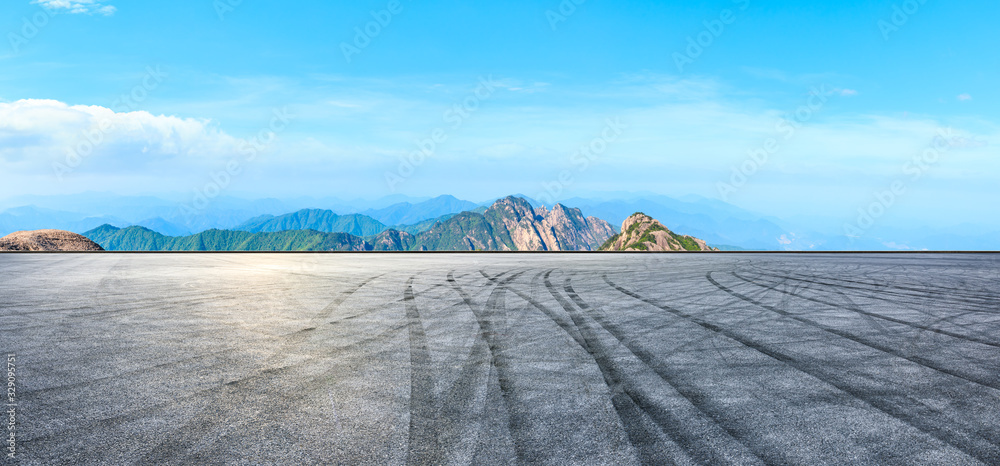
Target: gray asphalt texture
x,y
504,358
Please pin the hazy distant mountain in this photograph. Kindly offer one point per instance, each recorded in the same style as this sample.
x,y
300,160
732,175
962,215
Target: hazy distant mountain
x,y
406,213
36,218
313,219
640,232
511,224
162,226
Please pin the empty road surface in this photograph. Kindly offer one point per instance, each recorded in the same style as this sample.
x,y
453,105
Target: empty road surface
x,y
501,358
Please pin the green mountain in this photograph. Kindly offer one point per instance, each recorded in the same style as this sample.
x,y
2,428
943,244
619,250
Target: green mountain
x,y
423,226
510,224
641,232
314,219
142,239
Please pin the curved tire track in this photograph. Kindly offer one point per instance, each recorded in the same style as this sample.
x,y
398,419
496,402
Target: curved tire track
x,y
908,410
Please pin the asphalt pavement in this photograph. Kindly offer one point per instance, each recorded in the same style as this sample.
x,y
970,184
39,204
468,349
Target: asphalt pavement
x,y
501,358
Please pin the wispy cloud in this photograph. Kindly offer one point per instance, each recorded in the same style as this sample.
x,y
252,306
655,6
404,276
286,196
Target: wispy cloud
x,y
77,6
964,97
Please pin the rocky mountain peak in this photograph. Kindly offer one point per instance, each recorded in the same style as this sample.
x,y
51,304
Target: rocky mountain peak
x,y
641,232
515,207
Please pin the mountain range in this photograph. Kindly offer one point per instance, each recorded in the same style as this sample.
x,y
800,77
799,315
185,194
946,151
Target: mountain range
x,y
510,224
721,224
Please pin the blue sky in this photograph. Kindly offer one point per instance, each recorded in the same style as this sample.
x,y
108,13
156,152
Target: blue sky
x,y
204,81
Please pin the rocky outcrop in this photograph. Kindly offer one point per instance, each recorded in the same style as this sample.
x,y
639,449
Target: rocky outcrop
x,y
641,232
392,240
47,240
511,224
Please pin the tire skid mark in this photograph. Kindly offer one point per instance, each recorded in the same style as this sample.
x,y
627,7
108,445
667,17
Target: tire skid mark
x,y
329,309
144,370
294,341
933,321
628,405
883,291
630,411
668,422
701,315
167,451
217,391
494,277
918,293
919,360
571,330
493,321
221,390
466,400
858,310
927,419
925,289
423,445
634,428
650,360
902,299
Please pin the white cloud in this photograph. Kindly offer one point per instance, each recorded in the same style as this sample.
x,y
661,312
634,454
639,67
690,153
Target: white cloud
x,y
848,92
964,97
77,6
34,134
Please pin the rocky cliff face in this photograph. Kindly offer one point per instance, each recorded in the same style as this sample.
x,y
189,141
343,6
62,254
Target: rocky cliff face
x,y
640,232
511,224
47,240
392,240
